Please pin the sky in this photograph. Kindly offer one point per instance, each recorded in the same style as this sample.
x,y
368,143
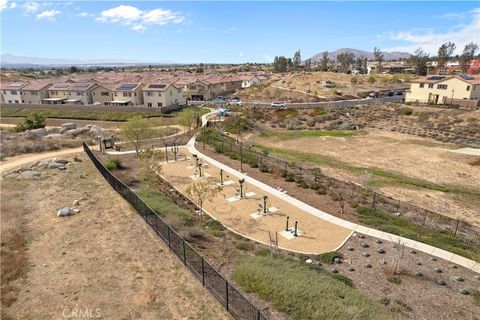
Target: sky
x,y
228,31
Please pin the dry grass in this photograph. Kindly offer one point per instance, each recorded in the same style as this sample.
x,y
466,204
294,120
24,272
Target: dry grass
x,y
13,255
13,144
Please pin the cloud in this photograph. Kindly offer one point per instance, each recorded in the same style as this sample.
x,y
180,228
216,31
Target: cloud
x,y
84,14
137,19
30,7
430,40
241,54
48,14
231,29
268,58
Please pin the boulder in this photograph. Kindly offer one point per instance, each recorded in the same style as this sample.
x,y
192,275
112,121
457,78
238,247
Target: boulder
x,y
62,161
66,212
40,164
69,126
56,165
27,175
52,129
10,175
54,136
96,130
40,132
76,132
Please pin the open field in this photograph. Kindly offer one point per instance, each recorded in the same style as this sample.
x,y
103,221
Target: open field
x,y
104,259
413,169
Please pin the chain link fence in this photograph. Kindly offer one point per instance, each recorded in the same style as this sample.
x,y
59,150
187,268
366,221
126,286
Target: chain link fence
x,y
226,293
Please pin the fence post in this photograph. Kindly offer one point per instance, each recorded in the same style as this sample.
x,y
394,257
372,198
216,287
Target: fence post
x,y
425,218
226,290
398,205
258,314
203,272
456,228
373,202
184,253
168,233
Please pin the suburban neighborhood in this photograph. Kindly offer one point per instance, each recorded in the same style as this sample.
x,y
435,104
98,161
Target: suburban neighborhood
x,y
248,160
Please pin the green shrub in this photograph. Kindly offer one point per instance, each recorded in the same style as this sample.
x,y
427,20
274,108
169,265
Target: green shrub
x,y
264,168
406,111
243,245
476,296
113,163
215,228
394,279
329,257
33,121
342,278
289,177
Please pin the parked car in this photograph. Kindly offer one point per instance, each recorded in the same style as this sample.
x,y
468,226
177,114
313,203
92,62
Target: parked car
x,y
233,102
277,105
399,93
390,94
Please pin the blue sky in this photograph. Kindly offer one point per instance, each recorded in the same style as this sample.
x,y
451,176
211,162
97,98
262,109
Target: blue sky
x,y
224,32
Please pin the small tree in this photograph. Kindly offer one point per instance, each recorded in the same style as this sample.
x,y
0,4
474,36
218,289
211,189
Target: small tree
x,y
136,131
34,121
467,55
444,53
203,190
187,119
150,167
371,80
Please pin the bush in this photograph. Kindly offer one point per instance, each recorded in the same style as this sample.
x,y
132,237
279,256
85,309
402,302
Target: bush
x,y
33,121
113,163
215,228
243,245
329,257
264,168
343,279
476,296
289,177
321,190
406,111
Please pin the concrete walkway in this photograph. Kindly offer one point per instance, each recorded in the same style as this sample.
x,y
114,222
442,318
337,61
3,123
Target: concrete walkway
x,y
440,253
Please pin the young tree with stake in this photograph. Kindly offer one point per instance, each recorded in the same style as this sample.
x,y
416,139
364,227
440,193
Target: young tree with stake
x,y
203,190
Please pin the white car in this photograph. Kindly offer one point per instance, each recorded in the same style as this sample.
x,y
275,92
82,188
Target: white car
x,y
277,105
235,102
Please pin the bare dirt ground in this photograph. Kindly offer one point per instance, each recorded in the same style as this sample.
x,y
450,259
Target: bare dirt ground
x,y
309,87
105,259
410,156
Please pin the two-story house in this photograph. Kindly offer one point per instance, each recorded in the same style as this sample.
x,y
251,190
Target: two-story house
x,y
162,95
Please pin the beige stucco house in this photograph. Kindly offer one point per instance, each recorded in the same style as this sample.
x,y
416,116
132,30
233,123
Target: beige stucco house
x,y
70,93
456,89
102,94
127,94
162,95
11,92
34,92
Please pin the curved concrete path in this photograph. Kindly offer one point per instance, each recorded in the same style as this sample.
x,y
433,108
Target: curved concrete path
x,y
440,253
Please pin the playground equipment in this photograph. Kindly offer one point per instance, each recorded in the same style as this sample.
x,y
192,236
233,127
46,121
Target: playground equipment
x,y
289,230
286,227
174,149
221,177
265,209
241,194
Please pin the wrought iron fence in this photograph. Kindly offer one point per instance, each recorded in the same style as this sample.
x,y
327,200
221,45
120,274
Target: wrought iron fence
x,y
226,293
308,177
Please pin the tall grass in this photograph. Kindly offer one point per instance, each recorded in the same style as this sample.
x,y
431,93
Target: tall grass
x,y
162,205
303,292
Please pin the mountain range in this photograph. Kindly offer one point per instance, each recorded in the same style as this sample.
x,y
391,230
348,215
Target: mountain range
x,y
10,59
395,55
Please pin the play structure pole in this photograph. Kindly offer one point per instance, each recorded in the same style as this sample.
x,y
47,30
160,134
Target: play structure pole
x,y
286,228
221,177
241,181
265,204
295,234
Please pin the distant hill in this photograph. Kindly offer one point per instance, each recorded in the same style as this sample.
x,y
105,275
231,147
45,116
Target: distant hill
x,y
360,53
10,59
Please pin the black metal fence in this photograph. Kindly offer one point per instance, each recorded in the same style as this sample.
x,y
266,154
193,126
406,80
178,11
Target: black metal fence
x,y
309,177
228,295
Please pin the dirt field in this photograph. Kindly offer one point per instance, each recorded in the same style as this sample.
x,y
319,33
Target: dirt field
x,y
318,235
309,87
104,260
414,157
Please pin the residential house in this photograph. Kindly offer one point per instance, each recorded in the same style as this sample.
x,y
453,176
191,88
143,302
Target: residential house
x,y
455,89
163,95
102,94
249,80
34,92
11,92
127,94
70,93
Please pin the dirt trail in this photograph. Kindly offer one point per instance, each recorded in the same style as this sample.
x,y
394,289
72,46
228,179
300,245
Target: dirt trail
x,y
104,260
18,161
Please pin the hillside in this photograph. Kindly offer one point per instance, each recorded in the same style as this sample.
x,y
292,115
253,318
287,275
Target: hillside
x,y
361,53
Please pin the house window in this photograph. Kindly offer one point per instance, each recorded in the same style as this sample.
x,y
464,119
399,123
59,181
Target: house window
x,y
430,85
442,86
93,93
149,104
468,88
422,85
127,94
13,92
79,93
170,93
105,94
34,93
159,104
149,94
